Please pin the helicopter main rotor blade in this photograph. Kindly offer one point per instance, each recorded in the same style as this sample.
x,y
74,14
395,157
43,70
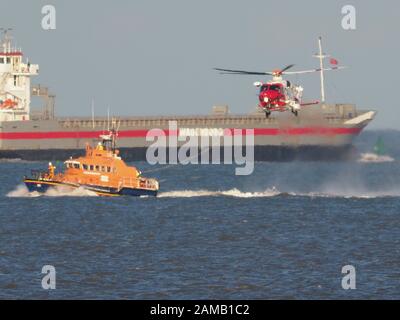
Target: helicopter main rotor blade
x,y
287,67
229,71
313,70
283,71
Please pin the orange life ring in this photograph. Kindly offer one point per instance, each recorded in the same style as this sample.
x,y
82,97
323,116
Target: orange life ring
x,y
8,103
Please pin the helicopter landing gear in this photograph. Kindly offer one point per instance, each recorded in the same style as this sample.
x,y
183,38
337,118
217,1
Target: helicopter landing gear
x,y
267,113
295,112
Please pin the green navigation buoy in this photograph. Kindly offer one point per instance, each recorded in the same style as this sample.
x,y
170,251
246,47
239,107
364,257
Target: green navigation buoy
x,y
379,148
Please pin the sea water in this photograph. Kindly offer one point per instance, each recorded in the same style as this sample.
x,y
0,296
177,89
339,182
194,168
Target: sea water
x,y
286,231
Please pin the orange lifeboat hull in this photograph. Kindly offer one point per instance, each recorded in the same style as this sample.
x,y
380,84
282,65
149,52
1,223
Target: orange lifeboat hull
x,y
43,185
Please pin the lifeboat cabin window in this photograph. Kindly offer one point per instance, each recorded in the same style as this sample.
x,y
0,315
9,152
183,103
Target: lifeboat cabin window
x,y
73,165
85,166
103,169
91,167
97,168
108,169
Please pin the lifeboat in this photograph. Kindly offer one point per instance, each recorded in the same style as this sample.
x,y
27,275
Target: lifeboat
x,y
101,170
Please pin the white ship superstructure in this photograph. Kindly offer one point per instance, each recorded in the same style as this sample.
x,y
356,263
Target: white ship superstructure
x,y
15,82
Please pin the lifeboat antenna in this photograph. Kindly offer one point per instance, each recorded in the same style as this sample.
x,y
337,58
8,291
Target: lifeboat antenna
x,y
108,118
118,124
93,113
113,133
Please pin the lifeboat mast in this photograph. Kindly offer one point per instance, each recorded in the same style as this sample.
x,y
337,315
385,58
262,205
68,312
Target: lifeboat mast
x,y
109,141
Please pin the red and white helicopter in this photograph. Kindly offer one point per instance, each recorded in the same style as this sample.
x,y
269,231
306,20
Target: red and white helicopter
x,y
281,95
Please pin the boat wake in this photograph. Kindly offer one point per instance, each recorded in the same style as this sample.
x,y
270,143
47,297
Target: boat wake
x,y
22,191
273,192
229,193
374,158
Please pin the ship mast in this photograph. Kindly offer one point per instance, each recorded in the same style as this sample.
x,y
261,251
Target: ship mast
x,y
321,57
6,42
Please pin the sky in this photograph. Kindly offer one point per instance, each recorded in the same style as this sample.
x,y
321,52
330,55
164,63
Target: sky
x,y
156,57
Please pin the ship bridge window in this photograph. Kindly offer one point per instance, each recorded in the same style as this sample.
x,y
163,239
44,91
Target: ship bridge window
x,y
8,60
1,60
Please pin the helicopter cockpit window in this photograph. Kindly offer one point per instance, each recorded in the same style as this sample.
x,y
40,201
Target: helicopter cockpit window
x,y
263,88
274,87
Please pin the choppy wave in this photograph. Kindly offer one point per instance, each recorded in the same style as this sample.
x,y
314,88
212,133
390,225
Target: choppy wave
x,y
350,195
11,160
17,160
374,158
22,191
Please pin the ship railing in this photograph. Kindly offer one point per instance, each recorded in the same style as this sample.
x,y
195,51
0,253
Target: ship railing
x,y
144,183
149,183
127,182
26,68
163,121
37,174
199,120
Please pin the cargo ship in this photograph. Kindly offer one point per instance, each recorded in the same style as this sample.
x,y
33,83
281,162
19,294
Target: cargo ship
x,y
319,132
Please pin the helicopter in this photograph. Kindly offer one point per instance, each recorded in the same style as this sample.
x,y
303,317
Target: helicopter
x,y
280,94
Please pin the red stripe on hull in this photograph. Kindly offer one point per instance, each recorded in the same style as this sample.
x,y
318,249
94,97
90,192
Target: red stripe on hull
x,y
318,131
8,54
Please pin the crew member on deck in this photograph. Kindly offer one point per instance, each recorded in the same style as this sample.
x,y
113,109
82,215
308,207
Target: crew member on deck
x,y
52,169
